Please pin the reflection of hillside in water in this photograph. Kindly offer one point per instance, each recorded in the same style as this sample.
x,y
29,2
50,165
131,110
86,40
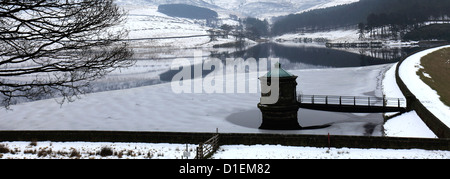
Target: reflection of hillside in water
x,y
324,57
321,56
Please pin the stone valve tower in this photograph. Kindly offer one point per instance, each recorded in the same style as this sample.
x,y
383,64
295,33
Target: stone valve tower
x,y
279,105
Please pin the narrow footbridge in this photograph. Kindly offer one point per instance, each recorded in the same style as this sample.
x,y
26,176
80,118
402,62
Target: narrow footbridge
x,y
352,104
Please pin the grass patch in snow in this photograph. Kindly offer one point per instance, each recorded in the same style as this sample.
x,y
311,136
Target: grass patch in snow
x,y
436,73
4,149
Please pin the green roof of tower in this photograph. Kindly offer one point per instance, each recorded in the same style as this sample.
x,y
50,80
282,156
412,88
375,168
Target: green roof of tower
x,y
278,73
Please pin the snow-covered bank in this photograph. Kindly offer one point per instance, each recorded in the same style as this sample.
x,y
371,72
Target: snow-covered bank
x,y
284,152
334,36
340,37
405,125
425,94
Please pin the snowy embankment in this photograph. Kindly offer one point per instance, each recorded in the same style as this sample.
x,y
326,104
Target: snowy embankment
x,y
425,94
405,125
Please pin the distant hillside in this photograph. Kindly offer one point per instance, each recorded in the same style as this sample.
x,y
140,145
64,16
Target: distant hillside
x,y
262,9
401,12
187,11
432,32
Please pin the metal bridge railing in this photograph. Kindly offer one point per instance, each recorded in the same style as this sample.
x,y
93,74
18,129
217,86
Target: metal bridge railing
x,y
352,100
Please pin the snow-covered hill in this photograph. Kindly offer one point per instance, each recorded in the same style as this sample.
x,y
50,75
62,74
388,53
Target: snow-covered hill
x,y
254,8
144,21
330,3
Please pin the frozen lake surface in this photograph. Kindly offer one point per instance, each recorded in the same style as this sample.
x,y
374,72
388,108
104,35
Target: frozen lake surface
x,y
157,108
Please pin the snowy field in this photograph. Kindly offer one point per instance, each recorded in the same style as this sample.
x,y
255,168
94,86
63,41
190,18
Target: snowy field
x,y
146,22
284,152
86,150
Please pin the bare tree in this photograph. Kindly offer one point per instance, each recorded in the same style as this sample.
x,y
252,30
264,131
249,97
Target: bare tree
x,y
56,48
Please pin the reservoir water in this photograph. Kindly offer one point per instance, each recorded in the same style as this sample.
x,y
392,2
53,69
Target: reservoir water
x,y
304,57
321,71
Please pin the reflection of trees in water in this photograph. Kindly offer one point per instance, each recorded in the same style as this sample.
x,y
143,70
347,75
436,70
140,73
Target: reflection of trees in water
x,y
391,54
318,56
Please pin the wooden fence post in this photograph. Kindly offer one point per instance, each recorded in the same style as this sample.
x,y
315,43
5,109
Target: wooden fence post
x,y
200,151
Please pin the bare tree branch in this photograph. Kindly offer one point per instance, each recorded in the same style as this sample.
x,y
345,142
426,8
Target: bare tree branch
x,y
56,48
